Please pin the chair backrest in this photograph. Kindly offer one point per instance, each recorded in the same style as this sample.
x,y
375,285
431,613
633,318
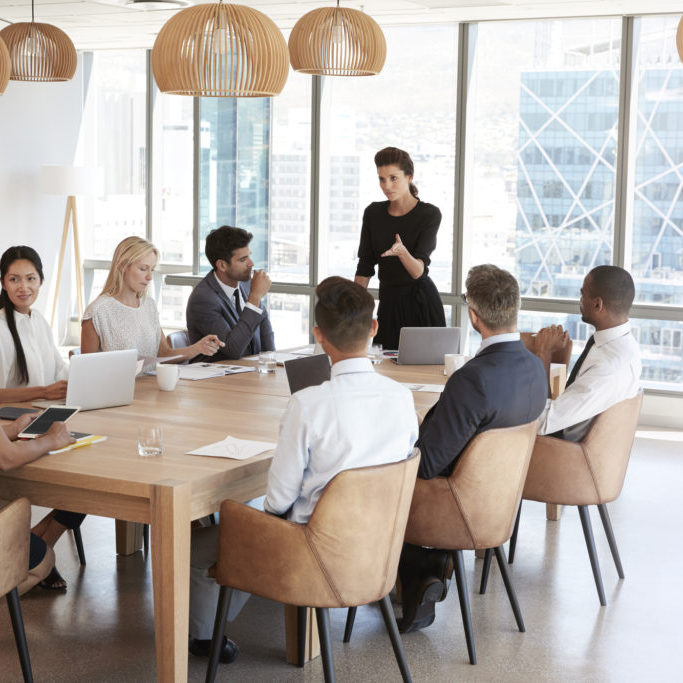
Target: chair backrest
x,y
562,356
357,528
608,444
15,529
475,506
178,339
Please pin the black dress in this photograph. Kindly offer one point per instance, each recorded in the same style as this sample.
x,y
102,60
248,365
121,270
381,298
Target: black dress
x,y
403,300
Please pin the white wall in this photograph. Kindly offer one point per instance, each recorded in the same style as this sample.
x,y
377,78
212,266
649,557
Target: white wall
x,y
39,124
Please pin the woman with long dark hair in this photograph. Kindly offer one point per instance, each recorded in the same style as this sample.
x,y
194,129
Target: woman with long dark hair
x,y
30,364
400,235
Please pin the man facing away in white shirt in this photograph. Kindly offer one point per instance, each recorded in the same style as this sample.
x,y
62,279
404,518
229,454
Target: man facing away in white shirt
x,y
608,371
356,419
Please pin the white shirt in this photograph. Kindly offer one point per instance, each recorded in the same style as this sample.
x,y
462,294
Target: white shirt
x,y
356,419
45,365
230,293
610,373
498,339
122,327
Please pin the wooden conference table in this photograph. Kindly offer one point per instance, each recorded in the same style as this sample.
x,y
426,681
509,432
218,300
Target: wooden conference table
x,y
109,479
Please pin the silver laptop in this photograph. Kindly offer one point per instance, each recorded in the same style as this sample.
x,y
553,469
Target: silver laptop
x,y
100,380
427,345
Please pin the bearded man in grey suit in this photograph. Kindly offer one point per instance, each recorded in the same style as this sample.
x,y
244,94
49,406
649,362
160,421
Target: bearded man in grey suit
x,y
228,300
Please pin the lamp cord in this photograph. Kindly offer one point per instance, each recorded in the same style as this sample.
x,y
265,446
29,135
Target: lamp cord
x,y
33,15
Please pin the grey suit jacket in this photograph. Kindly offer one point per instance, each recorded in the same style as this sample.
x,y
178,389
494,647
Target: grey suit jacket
x,y
210,312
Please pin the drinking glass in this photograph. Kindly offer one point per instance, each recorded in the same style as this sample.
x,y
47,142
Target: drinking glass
x,y
149,440
266,362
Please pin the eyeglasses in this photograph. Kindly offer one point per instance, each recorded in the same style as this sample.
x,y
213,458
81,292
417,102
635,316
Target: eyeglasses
x,y
463,296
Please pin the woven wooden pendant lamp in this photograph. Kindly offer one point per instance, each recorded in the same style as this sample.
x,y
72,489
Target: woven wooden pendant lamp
x,y
39,52
220,50
336,41
679,39
5,66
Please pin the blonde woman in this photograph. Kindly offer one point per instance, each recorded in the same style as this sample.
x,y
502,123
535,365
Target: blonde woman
x,y
124,317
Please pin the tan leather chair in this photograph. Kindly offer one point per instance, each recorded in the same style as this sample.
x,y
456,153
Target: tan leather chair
x,y
347,555
15,528
475,507
590,472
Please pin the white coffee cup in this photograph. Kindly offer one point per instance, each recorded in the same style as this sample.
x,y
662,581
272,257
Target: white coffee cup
x,y
453,362
167,376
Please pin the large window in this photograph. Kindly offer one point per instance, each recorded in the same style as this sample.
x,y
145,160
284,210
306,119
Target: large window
x,y
550,178
542,150
172,177
400,108
234,169
290,182
113,137
657,234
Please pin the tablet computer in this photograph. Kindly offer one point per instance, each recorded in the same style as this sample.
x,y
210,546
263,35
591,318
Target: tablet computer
x,y
46,419
13,412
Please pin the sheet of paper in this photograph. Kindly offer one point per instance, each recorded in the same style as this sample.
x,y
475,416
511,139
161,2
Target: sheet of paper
x,y
304,350
430,388
237,449
195,372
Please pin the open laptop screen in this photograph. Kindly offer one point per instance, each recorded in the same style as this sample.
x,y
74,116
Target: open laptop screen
x,y
307,372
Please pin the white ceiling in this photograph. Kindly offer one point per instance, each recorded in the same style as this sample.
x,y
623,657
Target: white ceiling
x,y
102,24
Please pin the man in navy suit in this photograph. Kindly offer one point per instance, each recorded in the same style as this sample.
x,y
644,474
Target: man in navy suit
x,y
228,300
504,385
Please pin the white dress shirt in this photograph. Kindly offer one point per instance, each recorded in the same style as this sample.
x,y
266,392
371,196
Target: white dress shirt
x,y
356,419
498,339
609,374
230,293
45,365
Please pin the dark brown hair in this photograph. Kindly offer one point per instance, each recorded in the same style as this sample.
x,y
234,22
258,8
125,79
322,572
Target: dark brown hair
x,y
493,293
393,156
222,242
344,312
8,258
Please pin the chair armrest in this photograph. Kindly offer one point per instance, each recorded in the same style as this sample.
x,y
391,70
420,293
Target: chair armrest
x,y
14,543
269,556
559,473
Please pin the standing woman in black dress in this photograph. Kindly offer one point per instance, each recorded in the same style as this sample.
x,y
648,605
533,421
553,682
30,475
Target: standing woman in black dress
x,y
400,235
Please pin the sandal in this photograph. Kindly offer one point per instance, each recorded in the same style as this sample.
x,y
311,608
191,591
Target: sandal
x,y
52,580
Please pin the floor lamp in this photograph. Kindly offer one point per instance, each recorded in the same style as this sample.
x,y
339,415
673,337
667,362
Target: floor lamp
x,y
70,181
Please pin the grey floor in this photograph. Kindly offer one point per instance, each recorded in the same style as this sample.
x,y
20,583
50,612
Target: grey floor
x,y
102,628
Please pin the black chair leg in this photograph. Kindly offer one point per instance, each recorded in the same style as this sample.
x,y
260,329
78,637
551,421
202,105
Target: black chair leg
x,y
485,570
396,643
607,524
19,634
322,616
461,582
590,545
218,630
500,557
350,618
145,537
513,538
301,636
79,546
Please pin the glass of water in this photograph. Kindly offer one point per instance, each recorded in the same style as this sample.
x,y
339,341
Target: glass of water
x,y
375,354
266,361
149,440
